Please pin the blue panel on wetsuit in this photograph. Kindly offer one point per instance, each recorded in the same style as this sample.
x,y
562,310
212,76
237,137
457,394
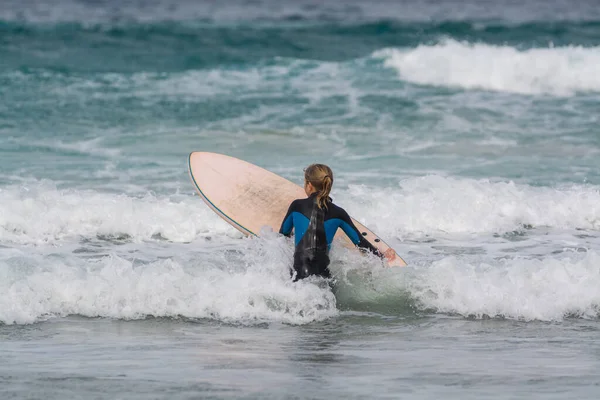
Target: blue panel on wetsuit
x,y
300,225
352,234
331,227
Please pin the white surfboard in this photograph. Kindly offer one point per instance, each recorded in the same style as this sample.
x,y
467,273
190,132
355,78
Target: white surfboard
x,y
249,197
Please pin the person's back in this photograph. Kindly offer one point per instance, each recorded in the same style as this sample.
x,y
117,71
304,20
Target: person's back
x,y
315,220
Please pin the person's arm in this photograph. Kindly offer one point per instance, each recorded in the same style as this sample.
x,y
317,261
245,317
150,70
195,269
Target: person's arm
x,y
356,237
288,222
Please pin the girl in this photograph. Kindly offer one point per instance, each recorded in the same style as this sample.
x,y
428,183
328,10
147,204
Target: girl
x,y
316,220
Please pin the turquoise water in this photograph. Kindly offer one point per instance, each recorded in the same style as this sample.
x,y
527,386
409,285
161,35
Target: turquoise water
x,y
464,133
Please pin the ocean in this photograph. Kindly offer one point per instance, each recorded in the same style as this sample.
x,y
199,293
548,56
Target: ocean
x,y
465,133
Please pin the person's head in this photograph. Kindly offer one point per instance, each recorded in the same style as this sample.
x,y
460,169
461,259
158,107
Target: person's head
x,y
318,178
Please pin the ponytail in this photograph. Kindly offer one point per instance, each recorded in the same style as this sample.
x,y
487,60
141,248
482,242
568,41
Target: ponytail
x,y
323,196
321,177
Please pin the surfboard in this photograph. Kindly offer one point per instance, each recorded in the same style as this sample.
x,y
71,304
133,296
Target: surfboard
x,y
250,198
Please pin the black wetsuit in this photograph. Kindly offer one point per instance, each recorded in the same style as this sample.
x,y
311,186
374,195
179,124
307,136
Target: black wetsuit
x,y
315,229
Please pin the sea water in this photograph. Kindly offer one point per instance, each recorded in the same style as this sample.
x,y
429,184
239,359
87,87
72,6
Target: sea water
x,y
465,133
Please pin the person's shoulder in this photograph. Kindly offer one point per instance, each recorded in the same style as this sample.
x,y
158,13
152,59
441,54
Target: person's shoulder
x,y
336,211
296,203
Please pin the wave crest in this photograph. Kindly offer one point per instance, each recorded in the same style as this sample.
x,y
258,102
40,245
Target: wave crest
x,y
560,71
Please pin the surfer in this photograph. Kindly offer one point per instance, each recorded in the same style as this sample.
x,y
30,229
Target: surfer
x,y
315,221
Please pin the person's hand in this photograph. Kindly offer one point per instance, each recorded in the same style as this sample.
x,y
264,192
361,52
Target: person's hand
x,y
390,254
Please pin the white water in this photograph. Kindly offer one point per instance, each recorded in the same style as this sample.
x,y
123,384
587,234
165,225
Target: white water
x,y
256,287
120,256
40,213
560,71
199,282
547,289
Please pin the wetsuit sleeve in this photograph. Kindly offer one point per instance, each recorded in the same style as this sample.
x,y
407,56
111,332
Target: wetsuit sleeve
x,y
354,234
288,222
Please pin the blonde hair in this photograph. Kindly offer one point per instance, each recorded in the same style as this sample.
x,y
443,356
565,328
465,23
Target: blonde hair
x,y
321,177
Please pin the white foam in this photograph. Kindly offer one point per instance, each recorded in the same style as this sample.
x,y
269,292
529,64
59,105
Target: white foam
x,y
529,289
549,288
34,288
40,213
435,204
554,70
257,287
